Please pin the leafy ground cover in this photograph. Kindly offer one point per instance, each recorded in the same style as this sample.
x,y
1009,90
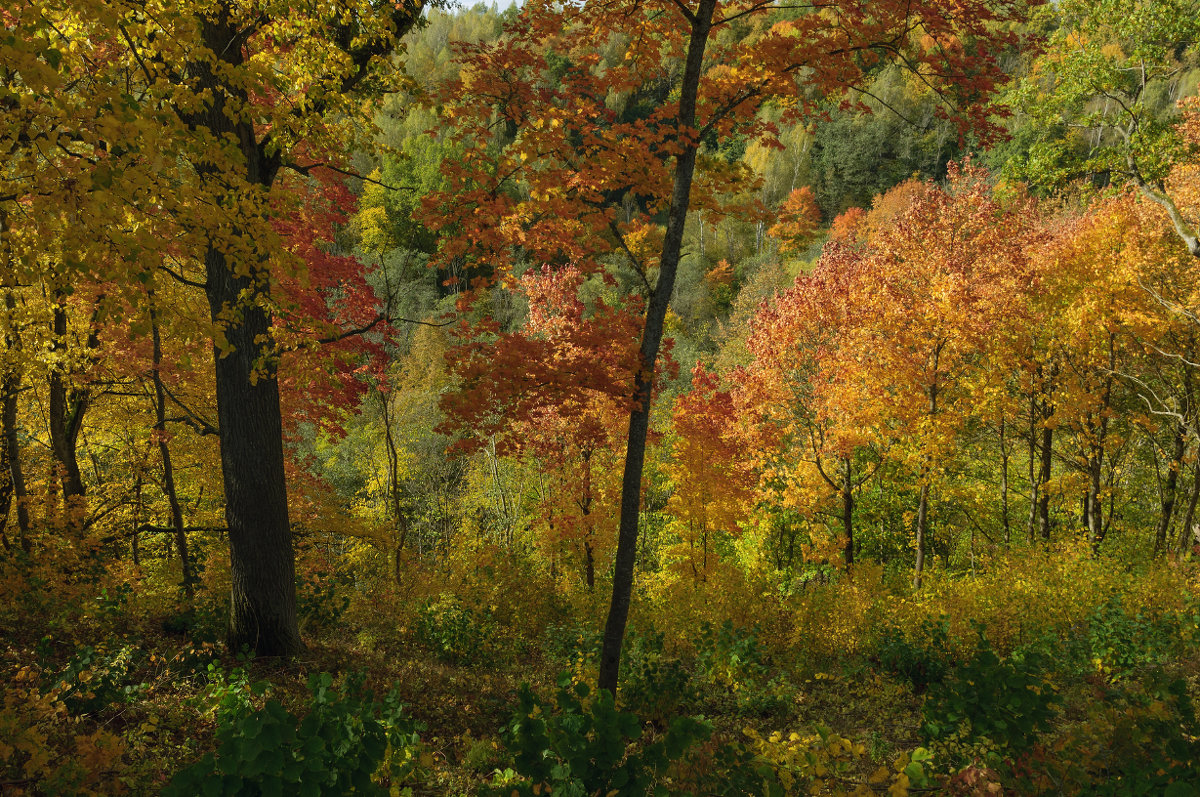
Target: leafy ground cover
x,y
1047,673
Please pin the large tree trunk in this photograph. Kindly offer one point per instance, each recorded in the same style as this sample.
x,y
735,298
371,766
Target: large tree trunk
x,y
262,560
263,571
656,312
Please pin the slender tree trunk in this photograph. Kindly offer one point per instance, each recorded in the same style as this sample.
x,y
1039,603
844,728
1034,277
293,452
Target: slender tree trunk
x,y
923,505
8,388
395,493
656,311
1004,457
65,416
1170,489
164,450
922,520
1095,498
1043,505
1033,468
12,450
135,542
1185,533
848,513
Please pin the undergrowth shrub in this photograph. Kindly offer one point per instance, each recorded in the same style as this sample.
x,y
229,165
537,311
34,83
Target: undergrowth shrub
x,y
584,747
45,749
96,678
923,658
990,708
571,642
456,633
344,741
656,684
1121,642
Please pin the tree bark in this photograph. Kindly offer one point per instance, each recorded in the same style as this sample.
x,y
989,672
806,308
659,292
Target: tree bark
x,y
1170,489
1005,455
164,450
656,311
66,410
848,512
1047,451
1185,533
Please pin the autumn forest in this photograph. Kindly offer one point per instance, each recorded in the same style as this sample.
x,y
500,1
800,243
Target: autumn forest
x,y
601,397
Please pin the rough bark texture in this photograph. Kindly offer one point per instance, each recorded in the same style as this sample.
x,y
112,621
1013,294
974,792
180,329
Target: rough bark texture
x,y
262,561
656,312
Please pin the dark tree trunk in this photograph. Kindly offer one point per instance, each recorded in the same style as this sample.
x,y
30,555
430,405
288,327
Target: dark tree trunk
x,y
1034,486
848,512
164,450
12,453
66,410
923,505
656,311
1170,489
262,561
1185,533
237,283
1005,455
1047,447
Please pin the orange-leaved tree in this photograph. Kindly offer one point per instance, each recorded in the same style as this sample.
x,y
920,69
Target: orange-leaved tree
x,y
589,123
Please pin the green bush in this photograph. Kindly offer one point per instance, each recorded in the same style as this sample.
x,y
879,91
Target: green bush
x,y
990,706
1121,643
344,740
572,642
580,747
655,684
98,677
920,662
1143,741
455,633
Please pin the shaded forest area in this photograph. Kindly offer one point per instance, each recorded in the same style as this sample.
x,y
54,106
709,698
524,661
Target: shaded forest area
x,y
621,397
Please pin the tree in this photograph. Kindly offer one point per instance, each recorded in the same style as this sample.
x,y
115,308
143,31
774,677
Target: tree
x,y
170,128
1100,99
587,120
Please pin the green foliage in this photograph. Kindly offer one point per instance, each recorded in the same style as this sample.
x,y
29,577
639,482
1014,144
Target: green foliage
x,y
456,633
580,747
571,642
98,677
654,683
1152,743
345,739
321,598
923,661
1121,643
990,705
727,653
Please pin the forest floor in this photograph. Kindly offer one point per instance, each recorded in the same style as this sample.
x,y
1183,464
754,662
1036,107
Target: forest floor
x,y
112,687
